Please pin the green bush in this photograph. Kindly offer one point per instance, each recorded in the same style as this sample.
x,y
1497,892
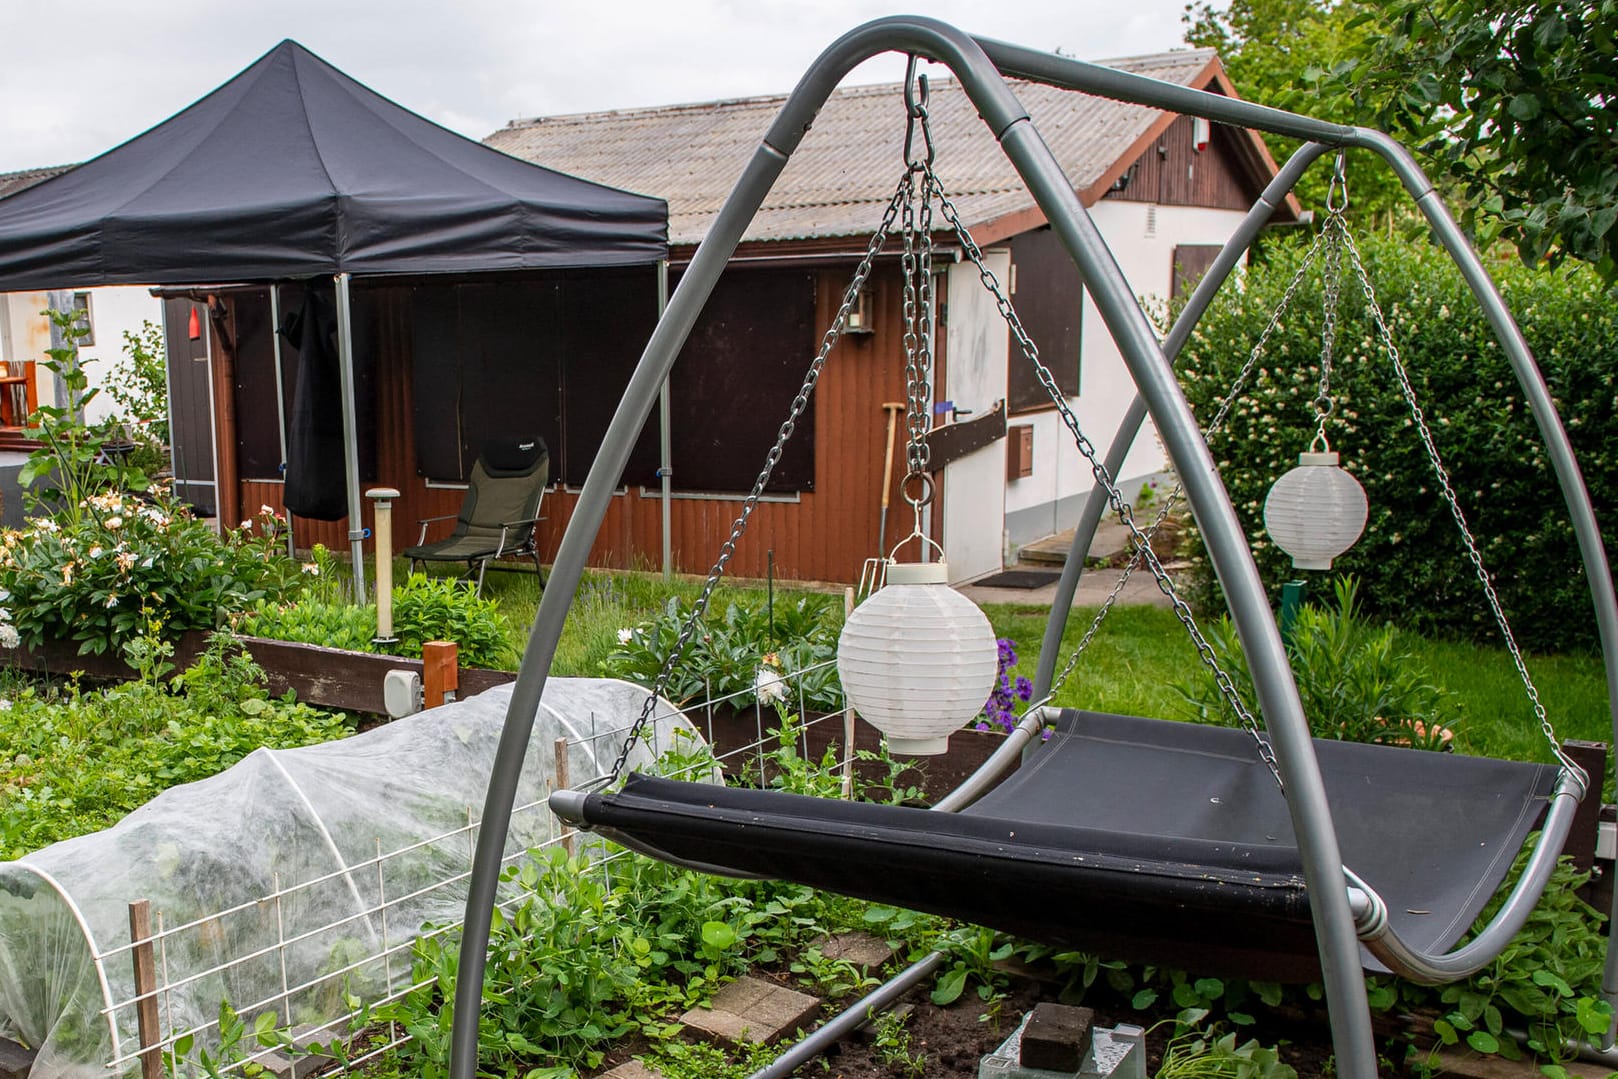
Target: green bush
x,y
424,609
1410,559
725,656
128,565
75,760
1356,684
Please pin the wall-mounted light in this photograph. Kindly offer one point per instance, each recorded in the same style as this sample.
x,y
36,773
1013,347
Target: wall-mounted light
x,y
861,315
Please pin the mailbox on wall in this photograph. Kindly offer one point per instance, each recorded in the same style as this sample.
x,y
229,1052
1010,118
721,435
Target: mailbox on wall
x,y
1019,451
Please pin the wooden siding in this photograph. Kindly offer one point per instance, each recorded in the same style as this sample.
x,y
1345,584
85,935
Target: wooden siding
x,y
1171,173
822,535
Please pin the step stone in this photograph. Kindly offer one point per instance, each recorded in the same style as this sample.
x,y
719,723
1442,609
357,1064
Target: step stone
x,y
753,1011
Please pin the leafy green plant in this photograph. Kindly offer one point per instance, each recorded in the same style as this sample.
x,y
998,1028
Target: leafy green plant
x,y
126,563
724,655
74,759
425,609
1356,683
1207,1054
892,1043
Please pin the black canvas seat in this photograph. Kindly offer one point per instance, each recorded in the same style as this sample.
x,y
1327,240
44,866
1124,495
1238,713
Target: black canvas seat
x,y
1141,838
498,514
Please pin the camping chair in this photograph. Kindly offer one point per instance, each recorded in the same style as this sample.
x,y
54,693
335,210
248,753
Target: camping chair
x,y
498,515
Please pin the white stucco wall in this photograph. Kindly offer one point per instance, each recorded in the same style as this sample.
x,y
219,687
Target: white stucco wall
x,y
974,487
25,334
1050,499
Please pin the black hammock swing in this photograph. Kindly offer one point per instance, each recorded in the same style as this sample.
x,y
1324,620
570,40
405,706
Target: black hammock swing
x,y
1151,839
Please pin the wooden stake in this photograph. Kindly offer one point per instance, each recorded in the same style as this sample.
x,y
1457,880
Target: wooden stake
x,y
563,781
140,935
440,672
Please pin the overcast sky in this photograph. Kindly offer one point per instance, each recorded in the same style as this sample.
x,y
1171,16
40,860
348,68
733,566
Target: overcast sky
x,y
78,79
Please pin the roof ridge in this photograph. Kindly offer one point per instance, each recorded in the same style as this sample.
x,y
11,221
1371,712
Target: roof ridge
x,y
756,100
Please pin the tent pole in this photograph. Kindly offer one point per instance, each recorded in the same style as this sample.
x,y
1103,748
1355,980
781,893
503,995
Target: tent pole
x,y
280,404
351,448
665,470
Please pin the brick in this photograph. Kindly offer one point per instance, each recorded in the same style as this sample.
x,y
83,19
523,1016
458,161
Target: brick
x,y
752,1010
1056,1037
861,949
632,1069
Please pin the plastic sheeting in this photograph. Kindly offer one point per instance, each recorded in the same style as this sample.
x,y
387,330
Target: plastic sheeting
x,y
294,868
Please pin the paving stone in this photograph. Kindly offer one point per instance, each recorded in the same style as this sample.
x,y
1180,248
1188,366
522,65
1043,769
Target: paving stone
x,y
861,949
752,1010
303,1062
15,1061
1056,1037
632,1069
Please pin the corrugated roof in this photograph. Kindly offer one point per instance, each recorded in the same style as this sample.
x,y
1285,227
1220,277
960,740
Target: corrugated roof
x,y
844,172
13,182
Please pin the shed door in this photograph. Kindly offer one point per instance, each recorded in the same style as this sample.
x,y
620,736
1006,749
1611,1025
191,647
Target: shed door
x,y
191,429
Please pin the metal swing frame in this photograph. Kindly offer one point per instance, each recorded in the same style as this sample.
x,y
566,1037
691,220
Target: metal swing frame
x,y
981,66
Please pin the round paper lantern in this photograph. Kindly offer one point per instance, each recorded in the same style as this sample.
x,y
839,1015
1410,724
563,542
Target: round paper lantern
x,y
1315,512
917,659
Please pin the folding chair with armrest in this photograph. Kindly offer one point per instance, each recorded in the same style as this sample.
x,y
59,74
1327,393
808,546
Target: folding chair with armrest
x,y
499,513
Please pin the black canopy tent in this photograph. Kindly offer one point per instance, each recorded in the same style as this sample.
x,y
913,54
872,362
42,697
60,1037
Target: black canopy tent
x,y
292,170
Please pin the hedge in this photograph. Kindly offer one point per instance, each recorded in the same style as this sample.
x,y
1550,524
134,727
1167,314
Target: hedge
x,y
1410,560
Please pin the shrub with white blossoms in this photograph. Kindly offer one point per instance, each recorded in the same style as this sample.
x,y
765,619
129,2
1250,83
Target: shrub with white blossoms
x,y
128,567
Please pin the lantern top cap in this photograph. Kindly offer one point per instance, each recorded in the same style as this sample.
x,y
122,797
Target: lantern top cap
x,y
918,573
1327,458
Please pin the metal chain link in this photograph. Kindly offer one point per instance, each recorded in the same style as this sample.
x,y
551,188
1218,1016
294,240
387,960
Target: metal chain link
x,y
1115,498
1473,554
1172,502
901,198
1334,231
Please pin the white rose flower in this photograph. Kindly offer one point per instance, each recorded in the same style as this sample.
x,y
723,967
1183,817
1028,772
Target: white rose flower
x,y
625,636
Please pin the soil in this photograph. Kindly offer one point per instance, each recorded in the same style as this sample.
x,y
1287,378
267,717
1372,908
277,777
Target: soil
x,y
951,1041
954,1039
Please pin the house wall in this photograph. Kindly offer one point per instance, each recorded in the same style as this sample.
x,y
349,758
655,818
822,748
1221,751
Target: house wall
x,y
1143,237
114,310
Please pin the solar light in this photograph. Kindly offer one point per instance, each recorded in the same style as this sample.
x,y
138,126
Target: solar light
x,y
1316,511
918,659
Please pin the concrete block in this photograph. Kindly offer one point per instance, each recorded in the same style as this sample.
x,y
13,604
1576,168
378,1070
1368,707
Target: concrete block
x,y
752,1010
1056,1037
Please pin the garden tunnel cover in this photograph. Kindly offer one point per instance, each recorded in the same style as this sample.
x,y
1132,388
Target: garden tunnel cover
x,y
328,859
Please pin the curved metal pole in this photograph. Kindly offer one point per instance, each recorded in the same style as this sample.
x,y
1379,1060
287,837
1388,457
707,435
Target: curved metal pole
x,y
1575,494
1095,504
1232,561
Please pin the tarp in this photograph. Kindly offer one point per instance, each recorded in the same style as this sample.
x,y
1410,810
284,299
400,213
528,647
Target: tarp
x,y
292,169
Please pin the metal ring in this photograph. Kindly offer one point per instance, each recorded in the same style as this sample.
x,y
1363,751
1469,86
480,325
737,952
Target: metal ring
x,y
922,499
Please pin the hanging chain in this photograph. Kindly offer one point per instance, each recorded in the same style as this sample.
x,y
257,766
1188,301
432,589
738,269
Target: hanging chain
x,y
917,266
1334,232
1115,498
1172,502
1473,554
901,199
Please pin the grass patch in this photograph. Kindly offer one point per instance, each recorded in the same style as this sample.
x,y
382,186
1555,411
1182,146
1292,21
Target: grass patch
x,y
1133,666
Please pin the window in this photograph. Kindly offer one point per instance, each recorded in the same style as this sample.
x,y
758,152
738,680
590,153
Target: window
x,y
1049,296
81,309
1191,261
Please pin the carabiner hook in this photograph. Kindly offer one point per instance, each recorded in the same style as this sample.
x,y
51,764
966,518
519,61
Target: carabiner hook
x,y
916,109
1337,190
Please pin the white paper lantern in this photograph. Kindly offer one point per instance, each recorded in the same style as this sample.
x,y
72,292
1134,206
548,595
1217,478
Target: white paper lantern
x,y
1315,512
918,659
